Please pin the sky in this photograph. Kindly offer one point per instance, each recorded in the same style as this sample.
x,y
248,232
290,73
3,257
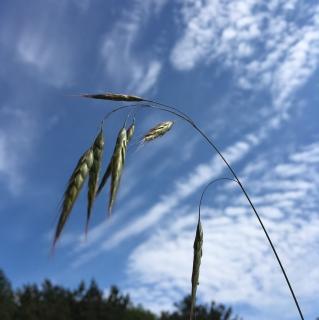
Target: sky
x,y
245,71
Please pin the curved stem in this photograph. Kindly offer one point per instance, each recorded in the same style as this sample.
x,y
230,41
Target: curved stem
x,y
207,186
175,111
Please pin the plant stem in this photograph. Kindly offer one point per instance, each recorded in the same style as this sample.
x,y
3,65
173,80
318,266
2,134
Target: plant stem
x,y
178,113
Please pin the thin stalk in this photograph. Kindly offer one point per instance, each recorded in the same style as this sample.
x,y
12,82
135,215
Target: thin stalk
x,y
205,189
178,113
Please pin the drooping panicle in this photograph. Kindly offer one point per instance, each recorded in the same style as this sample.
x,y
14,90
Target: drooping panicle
x,y
97,148
113,97
73,189
198,251
117,165
157,131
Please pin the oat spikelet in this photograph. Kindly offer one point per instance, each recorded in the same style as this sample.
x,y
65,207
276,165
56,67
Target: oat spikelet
x,y
157,131
198,251
105,177
130,131
129,135
117,165
113,97
97,148
73,189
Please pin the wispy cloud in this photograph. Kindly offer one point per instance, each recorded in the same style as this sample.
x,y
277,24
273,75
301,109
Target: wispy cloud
x,y
238,266
261,43
138,71
17,135
50,59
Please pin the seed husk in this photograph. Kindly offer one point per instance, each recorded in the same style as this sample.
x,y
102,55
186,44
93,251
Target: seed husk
x,y
129,135
113,97
73,189
130,131
198,251
105,177
157,131
117,165
97,148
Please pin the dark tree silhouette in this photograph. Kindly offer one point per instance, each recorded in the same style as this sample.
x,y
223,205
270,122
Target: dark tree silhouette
x,y
202,312
53,302
7,305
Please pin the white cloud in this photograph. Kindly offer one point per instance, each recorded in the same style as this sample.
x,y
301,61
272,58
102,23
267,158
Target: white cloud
x,y
262,44
17,136
238,265
138,72
48,55
147,81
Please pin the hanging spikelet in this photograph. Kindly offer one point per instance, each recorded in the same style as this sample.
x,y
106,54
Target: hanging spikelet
x,y
98,147
117,165
129,135
198,250
105,177
73,189
130,131
113,97
157,131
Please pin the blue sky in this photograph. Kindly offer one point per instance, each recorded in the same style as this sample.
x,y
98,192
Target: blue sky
x,y
246,71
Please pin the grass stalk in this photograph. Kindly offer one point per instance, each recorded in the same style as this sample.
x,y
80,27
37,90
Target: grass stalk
x,y
150,104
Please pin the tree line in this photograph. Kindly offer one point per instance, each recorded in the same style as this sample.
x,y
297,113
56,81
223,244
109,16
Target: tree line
x,y
54,302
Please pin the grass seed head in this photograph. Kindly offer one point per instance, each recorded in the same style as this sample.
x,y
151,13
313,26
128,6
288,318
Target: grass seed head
x,y
106,175
97,148
130,131
198,251
108,171
118,160
73,189
158,131
113,97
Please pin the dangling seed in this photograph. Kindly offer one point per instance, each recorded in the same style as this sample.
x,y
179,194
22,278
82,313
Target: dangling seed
x,y
73,189
198,251
130,131
117,165
113,97
105,177
157,131
129,135
97,147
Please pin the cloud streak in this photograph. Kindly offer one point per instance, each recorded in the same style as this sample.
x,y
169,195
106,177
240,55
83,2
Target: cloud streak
x,y
121,60
15,140
264,47
238,266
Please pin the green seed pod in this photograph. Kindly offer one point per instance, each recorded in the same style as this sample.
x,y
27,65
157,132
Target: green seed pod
x,y
113,97
157,131
73,189
98,148
198,251
117,165
130,131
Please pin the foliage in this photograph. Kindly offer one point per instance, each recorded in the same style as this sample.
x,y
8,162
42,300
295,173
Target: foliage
x,y
54,302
